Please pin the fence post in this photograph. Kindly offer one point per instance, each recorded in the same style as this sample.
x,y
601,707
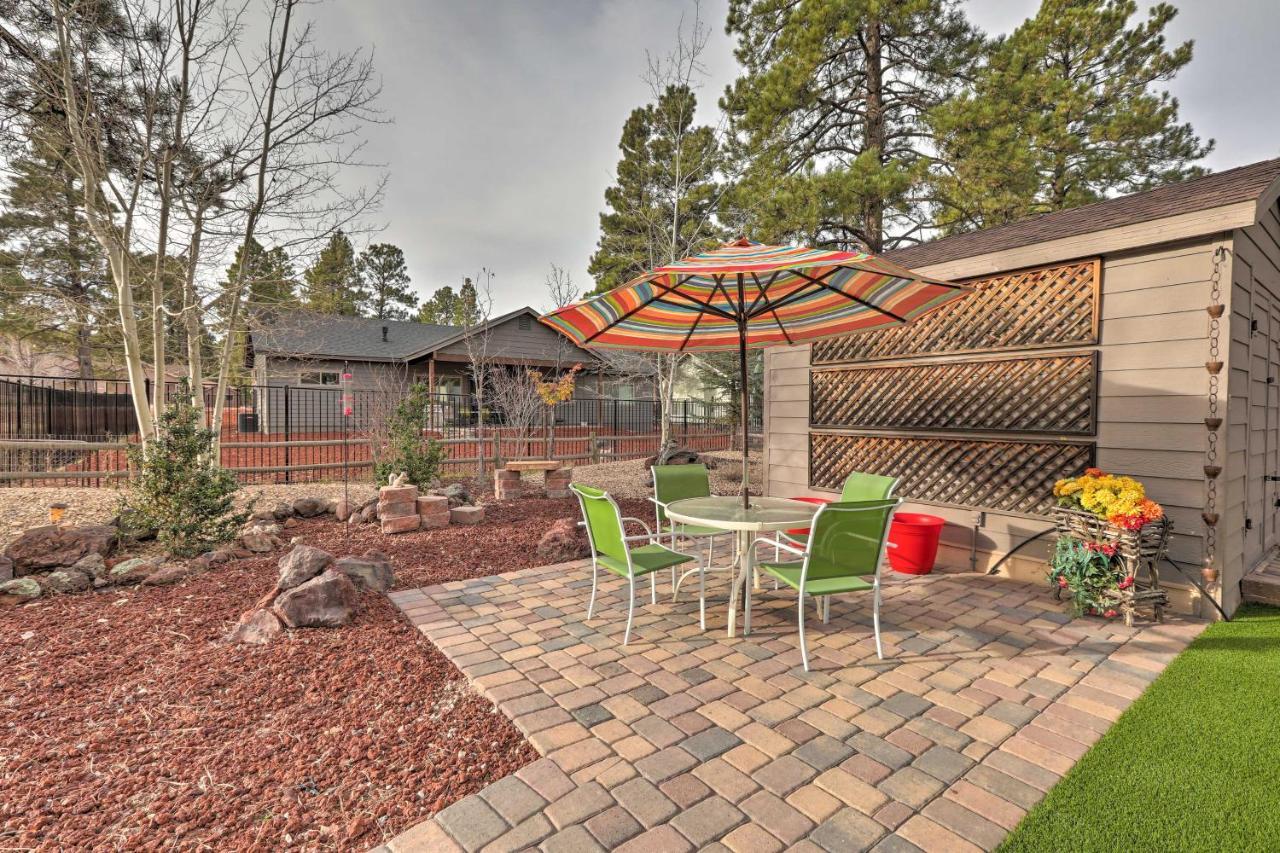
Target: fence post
x,y
593,448
287,431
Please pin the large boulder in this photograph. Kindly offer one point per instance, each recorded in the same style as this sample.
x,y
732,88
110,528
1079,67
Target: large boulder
x,y
372,571
19,591
256,627
563,541
302,564
55,546
6,569
326,601
310,507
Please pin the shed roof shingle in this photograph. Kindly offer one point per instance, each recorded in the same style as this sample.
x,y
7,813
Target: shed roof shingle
x,y
325,335
1244,183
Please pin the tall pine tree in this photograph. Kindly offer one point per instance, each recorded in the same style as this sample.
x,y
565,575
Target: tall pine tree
x,y
54,281
332,284
663,203
1066,112
828,114
386,281
441,308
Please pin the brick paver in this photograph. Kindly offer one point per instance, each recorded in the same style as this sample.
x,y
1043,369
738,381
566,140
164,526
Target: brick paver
x,y
688,740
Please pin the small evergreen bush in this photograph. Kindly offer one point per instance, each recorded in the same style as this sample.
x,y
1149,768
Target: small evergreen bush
x,y
180,490
403,448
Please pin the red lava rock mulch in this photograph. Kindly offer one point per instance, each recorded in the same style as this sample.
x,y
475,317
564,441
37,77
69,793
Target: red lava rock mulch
x,y
505,541
126,723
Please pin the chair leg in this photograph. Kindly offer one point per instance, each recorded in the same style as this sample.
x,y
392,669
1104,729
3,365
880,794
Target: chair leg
x,y
591,605
653,588
875,620
826,609
702,596
631,609
804,649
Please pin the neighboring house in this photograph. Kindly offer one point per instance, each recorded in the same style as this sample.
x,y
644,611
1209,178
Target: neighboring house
x,y
306,350
1088,340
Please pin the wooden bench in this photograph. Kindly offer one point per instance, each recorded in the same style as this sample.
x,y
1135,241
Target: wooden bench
x,y
509,485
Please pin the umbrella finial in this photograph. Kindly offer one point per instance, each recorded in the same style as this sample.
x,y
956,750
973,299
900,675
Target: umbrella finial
x,y
740,243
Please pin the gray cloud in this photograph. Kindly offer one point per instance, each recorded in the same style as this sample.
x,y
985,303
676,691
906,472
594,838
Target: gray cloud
x,y
507,114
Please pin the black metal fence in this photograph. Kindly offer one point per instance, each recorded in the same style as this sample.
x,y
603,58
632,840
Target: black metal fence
x,y
65,431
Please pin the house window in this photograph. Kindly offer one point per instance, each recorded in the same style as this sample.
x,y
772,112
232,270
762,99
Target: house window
x,y
321,377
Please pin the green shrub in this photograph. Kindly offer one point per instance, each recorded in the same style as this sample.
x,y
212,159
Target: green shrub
x,y
400,446
180,489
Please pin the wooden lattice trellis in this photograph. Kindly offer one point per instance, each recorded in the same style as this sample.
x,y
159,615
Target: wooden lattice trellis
x,y
1051,306
1015,476
1052,394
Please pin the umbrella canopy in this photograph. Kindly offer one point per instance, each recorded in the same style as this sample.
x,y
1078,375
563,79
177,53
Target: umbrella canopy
x,y
752,294
747,294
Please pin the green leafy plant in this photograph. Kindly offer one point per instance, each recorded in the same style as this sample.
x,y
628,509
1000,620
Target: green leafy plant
x,y
402,447
1090,574
180,490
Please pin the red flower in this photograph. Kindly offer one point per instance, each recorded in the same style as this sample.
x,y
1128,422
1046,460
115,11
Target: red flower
x,y
1126,583
1062,582
1110,613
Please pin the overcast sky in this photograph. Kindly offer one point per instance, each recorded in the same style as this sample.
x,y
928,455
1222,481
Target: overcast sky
x,y
507,114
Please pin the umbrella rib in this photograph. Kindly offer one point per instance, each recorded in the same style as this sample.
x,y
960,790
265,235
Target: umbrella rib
x,y
692,329
762,290
706,308
863,302
724,291
628,315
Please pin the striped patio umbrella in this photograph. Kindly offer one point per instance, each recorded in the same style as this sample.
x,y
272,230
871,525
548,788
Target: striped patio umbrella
x,y
747,294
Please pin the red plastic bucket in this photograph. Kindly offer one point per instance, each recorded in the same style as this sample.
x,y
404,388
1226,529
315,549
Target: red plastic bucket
x,y
916,536
804,531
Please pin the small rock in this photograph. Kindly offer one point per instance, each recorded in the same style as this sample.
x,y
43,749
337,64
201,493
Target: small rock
x,y
256,627
372,571
297,540
131,571
258,543
302,564
166,575
55,546
563,541
92,565
281,511
310,507
456,493
269,527
401,524
67,580
263,514
322,602
19,591
341,510
466,515
225,554
290,523
27,635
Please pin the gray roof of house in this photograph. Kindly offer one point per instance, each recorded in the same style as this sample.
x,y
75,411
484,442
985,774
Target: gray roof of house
x,y
306,333
1245,183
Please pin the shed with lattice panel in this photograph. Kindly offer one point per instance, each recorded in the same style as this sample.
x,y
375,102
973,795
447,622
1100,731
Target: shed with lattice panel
x,y
1088,340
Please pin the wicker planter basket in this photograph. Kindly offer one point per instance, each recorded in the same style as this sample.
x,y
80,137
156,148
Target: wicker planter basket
x,y
1135,549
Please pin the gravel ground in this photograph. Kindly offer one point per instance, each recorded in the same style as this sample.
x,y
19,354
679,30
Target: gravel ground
x,y
626,479
27,507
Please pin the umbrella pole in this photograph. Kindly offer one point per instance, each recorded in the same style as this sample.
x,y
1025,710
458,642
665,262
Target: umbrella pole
x,y
744,414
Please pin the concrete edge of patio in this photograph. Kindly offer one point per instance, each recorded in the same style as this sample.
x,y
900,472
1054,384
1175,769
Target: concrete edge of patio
x,y
694,740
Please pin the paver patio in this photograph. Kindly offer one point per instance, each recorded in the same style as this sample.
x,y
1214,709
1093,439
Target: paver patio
x,y
690,740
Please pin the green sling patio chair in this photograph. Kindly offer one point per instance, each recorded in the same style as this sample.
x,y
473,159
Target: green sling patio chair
x,y
675,483
858,486
610,550
843,553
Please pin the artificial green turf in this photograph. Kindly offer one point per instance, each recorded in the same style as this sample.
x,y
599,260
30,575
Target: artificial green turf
x,y
1194,764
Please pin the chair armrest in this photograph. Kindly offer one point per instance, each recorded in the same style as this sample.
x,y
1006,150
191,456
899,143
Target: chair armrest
x,y
779,544
638,521
891,544
648,537
652,499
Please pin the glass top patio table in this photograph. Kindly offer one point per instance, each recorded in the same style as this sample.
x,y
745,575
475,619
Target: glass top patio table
x,y
726,513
